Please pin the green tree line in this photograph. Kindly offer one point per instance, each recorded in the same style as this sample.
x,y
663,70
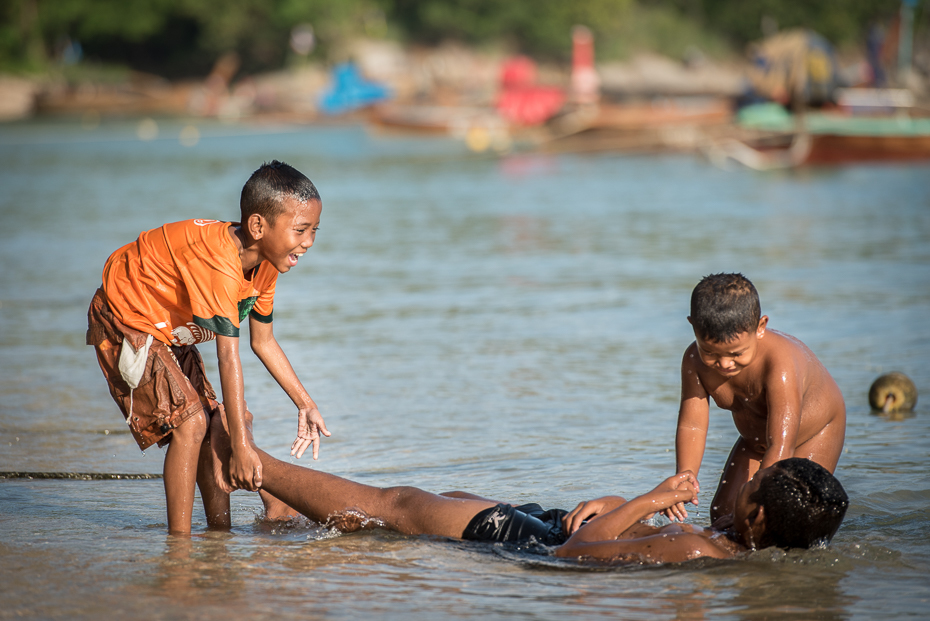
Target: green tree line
x,y
177,38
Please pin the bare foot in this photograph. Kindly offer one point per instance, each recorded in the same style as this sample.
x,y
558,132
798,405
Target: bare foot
x,y
277,510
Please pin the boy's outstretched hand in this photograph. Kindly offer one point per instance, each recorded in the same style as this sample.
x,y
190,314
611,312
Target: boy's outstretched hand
x,y
310,425
678,511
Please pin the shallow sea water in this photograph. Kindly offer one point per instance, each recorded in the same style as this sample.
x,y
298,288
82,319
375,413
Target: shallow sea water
x,y
508,326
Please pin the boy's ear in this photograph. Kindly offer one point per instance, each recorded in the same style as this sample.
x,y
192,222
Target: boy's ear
x,y
255,225
689,320
763,322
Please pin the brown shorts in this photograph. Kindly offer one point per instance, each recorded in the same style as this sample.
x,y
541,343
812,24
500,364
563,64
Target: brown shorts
x,y
174,385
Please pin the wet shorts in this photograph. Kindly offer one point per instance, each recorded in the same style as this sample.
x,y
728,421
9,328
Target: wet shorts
x,y
505,523
174,385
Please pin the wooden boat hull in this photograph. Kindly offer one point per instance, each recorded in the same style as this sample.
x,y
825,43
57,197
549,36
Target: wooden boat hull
x,y
839,149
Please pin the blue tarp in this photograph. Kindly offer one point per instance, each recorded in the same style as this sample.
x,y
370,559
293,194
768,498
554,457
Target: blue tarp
x,y
351,91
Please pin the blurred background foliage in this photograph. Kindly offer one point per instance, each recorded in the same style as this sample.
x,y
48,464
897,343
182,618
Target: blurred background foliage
x,y
183,38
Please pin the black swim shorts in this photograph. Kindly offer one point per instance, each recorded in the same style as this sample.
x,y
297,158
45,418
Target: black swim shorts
x,y
506,523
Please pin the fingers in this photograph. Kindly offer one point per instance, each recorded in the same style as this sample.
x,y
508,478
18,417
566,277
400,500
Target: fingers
x,y
568,519
305,441
299,446
576,517
254,481
675,513
251,483
310,426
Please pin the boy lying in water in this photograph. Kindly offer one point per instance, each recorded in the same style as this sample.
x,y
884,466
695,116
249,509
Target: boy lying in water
x,y
795,503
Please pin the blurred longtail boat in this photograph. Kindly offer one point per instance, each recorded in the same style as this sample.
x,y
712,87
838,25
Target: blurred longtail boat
x,y
778,139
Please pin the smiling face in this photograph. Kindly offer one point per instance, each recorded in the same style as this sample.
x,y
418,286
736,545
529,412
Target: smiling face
x,y
729,358
290,236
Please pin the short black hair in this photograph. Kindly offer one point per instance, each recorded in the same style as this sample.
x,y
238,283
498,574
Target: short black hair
x,y
723,306
266,189
804,504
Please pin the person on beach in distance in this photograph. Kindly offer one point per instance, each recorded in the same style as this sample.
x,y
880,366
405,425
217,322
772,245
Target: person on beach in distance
x,y
783,400
795,503
187,283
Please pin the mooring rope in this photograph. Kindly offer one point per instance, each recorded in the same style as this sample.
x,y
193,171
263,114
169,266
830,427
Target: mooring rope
x,y
77,476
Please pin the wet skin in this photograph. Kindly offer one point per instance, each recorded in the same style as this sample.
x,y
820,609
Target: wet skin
x,y
783,401
607,528
281,242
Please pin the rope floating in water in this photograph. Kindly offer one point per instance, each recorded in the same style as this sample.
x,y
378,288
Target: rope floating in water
x,y
77,476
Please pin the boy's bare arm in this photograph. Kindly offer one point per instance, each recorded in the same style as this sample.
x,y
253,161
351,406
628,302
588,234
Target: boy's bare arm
x,y
784,401
310,422
693,417
245,468
609,526
659,548
588,510
598,538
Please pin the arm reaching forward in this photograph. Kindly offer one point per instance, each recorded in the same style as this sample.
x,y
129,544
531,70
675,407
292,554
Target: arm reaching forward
x,y
598,538
310,424
693,421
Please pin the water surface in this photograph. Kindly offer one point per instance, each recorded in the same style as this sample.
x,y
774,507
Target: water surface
x,y
509,326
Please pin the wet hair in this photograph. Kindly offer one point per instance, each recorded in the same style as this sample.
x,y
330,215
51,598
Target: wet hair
x,y
804,504
723,306
266,189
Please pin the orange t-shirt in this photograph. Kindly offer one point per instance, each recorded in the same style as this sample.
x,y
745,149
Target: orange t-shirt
x,y
183,283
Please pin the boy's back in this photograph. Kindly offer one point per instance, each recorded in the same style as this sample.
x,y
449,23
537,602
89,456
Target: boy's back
x,y
783,400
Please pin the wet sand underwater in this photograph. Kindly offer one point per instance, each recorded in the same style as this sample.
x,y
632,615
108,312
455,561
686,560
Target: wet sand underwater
x,y
509,326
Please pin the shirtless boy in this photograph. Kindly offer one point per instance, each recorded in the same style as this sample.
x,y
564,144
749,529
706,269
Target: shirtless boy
x,y
191,282
793,504
783,400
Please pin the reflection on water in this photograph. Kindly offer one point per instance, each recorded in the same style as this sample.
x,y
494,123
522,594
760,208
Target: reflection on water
x,y
512,327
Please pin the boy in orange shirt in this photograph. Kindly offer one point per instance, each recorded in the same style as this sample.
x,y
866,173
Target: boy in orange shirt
x,y
784,401
191,282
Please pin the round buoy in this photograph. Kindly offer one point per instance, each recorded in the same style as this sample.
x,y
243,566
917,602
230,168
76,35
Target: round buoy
x,y
893,392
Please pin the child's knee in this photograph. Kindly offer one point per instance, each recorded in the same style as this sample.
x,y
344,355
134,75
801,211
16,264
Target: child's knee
x,y
403,497
192,429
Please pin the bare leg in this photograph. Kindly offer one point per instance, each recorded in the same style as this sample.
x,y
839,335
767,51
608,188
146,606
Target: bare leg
x,y
407,510
218,454
275,509
321,496
458,494
180,472
741,466
826,447
215,498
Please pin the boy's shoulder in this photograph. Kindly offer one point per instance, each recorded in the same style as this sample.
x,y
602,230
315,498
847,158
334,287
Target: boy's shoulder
x,y
201,238
785,354
214,230
782,346
200,249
